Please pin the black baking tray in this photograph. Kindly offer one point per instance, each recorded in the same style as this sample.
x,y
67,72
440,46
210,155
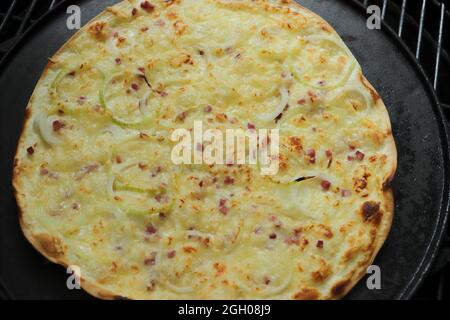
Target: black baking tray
x,y
421,185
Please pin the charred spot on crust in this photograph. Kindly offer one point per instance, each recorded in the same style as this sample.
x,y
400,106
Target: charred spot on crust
x,y
307,294
105,295
321,274
52,246
19,212
16,163
340,288
373,93
348,255
387,183
371,212
121,298
27,114
359,184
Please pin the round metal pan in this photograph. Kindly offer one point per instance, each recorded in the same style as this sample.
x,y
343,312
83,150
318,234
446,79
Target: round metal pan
x,y
421,185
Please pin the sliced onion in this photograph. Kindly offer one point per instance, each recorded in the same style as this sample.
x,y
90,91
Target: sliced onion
x,y
45,128
110,185
54,85
118,213
118,120
126,123
339,43
178,289
162,274
61,74
110,45
125,165
143,105
58,78
120,133
284,100
352,88
220,245
273,290
102,90
128,188
345,75
288,78
270,290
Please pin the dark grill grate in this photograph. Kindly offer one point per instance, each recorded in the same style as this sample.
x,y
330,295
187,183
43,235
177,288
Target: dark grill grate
x,y
421,24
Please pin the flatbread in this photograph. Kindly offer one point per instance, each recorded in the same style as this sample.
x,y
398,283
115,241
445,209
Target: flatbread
x,y
97,188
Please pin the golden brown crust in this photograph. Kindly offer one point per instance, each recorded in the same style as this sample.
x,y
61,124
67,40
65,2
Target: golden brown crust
x,y
307,294
52,248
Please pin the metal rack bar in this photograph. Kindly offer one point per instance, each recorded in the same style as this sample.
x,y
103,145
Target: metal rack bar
x,y
383,10
439,48
421,26
8,15
52,4
26,18
402,18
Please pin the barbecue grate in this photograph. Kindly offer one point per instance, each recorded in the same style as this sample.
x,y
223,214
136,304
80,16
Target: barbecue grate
x,y
420,24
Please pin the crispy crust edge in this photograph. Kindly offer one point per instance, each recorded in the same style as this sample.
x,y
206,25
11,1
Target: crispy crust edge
x,y
344,285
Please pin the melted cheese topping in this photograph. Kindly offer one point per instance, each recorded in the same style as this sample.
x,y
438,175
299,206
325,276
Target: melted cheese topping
x,y
93,171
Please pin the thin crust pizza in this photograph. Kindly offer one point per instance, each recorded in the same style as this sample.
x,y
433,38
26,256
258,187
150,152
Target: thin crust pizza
x,y
97,189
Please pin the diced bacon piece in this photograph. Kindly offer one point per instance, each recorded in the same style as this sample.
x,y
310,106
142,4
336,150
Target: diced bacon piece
x,y
58,125
359,155
151,229
147,6
325,185
223,206
311,153
228,180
